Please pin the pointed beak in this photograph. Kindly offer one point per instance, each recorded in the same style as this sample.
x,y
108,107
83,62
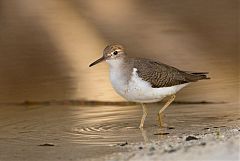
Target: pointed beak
x,y
97,61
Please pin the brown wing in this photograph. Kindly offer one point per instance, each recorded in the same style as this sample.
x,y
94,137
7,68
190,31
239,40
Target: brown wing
x,y
162,75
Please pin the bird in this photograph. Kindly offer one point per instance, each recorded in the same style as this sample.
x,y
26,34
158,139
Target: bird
x,y
145,81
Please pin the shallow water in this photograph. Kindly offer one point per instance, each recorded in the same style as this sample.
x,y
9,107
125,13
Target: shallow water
x,y
38,132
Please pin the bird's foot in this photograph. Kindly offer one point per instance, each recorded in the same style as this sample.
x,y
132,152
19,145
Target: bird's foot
x,y
160,121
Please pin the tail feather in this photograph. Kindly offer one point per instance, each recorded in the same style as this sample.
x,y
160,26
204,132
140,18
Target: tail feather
x,y
201,73
195,76
191,72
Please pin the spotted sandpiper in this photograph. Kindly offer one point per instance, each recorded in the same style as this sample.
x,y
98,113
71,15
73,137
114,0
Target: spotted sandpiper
x,y
143,80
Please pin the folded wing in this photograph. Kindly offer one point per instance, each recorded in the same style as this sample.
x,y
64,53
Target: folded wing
x,y
162,75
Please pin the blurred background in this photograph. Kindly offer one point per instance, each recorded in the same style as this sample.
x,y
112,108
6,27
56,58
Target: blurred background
x,y
46,46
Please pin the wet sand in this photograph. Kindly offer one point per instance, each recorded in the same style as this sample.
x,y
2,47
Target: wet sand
x,y
216,144
64,132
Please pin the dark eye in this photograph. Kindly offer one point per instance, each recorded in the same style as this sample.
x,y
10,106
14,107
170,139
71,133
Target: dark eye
x,y
115,53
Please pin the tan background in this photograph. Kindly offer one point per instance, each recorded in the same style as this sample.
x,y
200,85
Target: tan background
x,y
46,46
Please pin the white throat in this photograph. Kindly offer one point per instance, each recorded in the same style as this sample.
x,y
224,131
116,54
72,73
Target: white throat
x,y
115,63
118,77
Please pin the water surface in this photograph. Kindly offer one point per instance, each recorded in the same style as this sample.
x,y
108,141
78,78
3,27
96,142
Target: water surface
x,y
75,132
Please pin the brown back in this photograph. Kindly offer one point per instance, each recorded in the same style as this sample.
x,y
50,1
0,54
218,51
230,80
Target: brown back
x,y
162,75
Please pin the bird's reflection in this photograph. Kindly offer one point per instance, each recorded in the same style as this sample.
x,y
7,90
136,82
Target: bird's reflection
x,y
144,135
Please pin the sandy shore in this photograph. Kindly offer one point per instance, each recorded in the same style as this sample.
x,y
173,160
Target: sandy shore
x,y
213,144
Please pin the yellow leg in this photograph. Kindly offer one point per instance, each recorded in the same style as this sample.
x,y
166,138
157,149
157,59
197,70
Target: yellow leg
x,y
143,116
160,119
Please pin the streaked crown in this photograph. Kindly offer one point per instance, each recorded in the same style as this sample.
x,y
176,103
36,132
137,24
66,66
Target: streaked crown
x,y
114,51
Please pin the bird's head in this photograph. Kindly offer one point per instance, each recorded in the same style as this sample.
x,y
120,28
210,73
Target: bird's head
x,y
111,53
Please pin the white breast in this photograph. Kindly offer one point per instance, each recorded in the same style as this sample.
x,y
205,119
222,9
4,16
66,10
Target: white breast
x,y
119,82
118,78
137,90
